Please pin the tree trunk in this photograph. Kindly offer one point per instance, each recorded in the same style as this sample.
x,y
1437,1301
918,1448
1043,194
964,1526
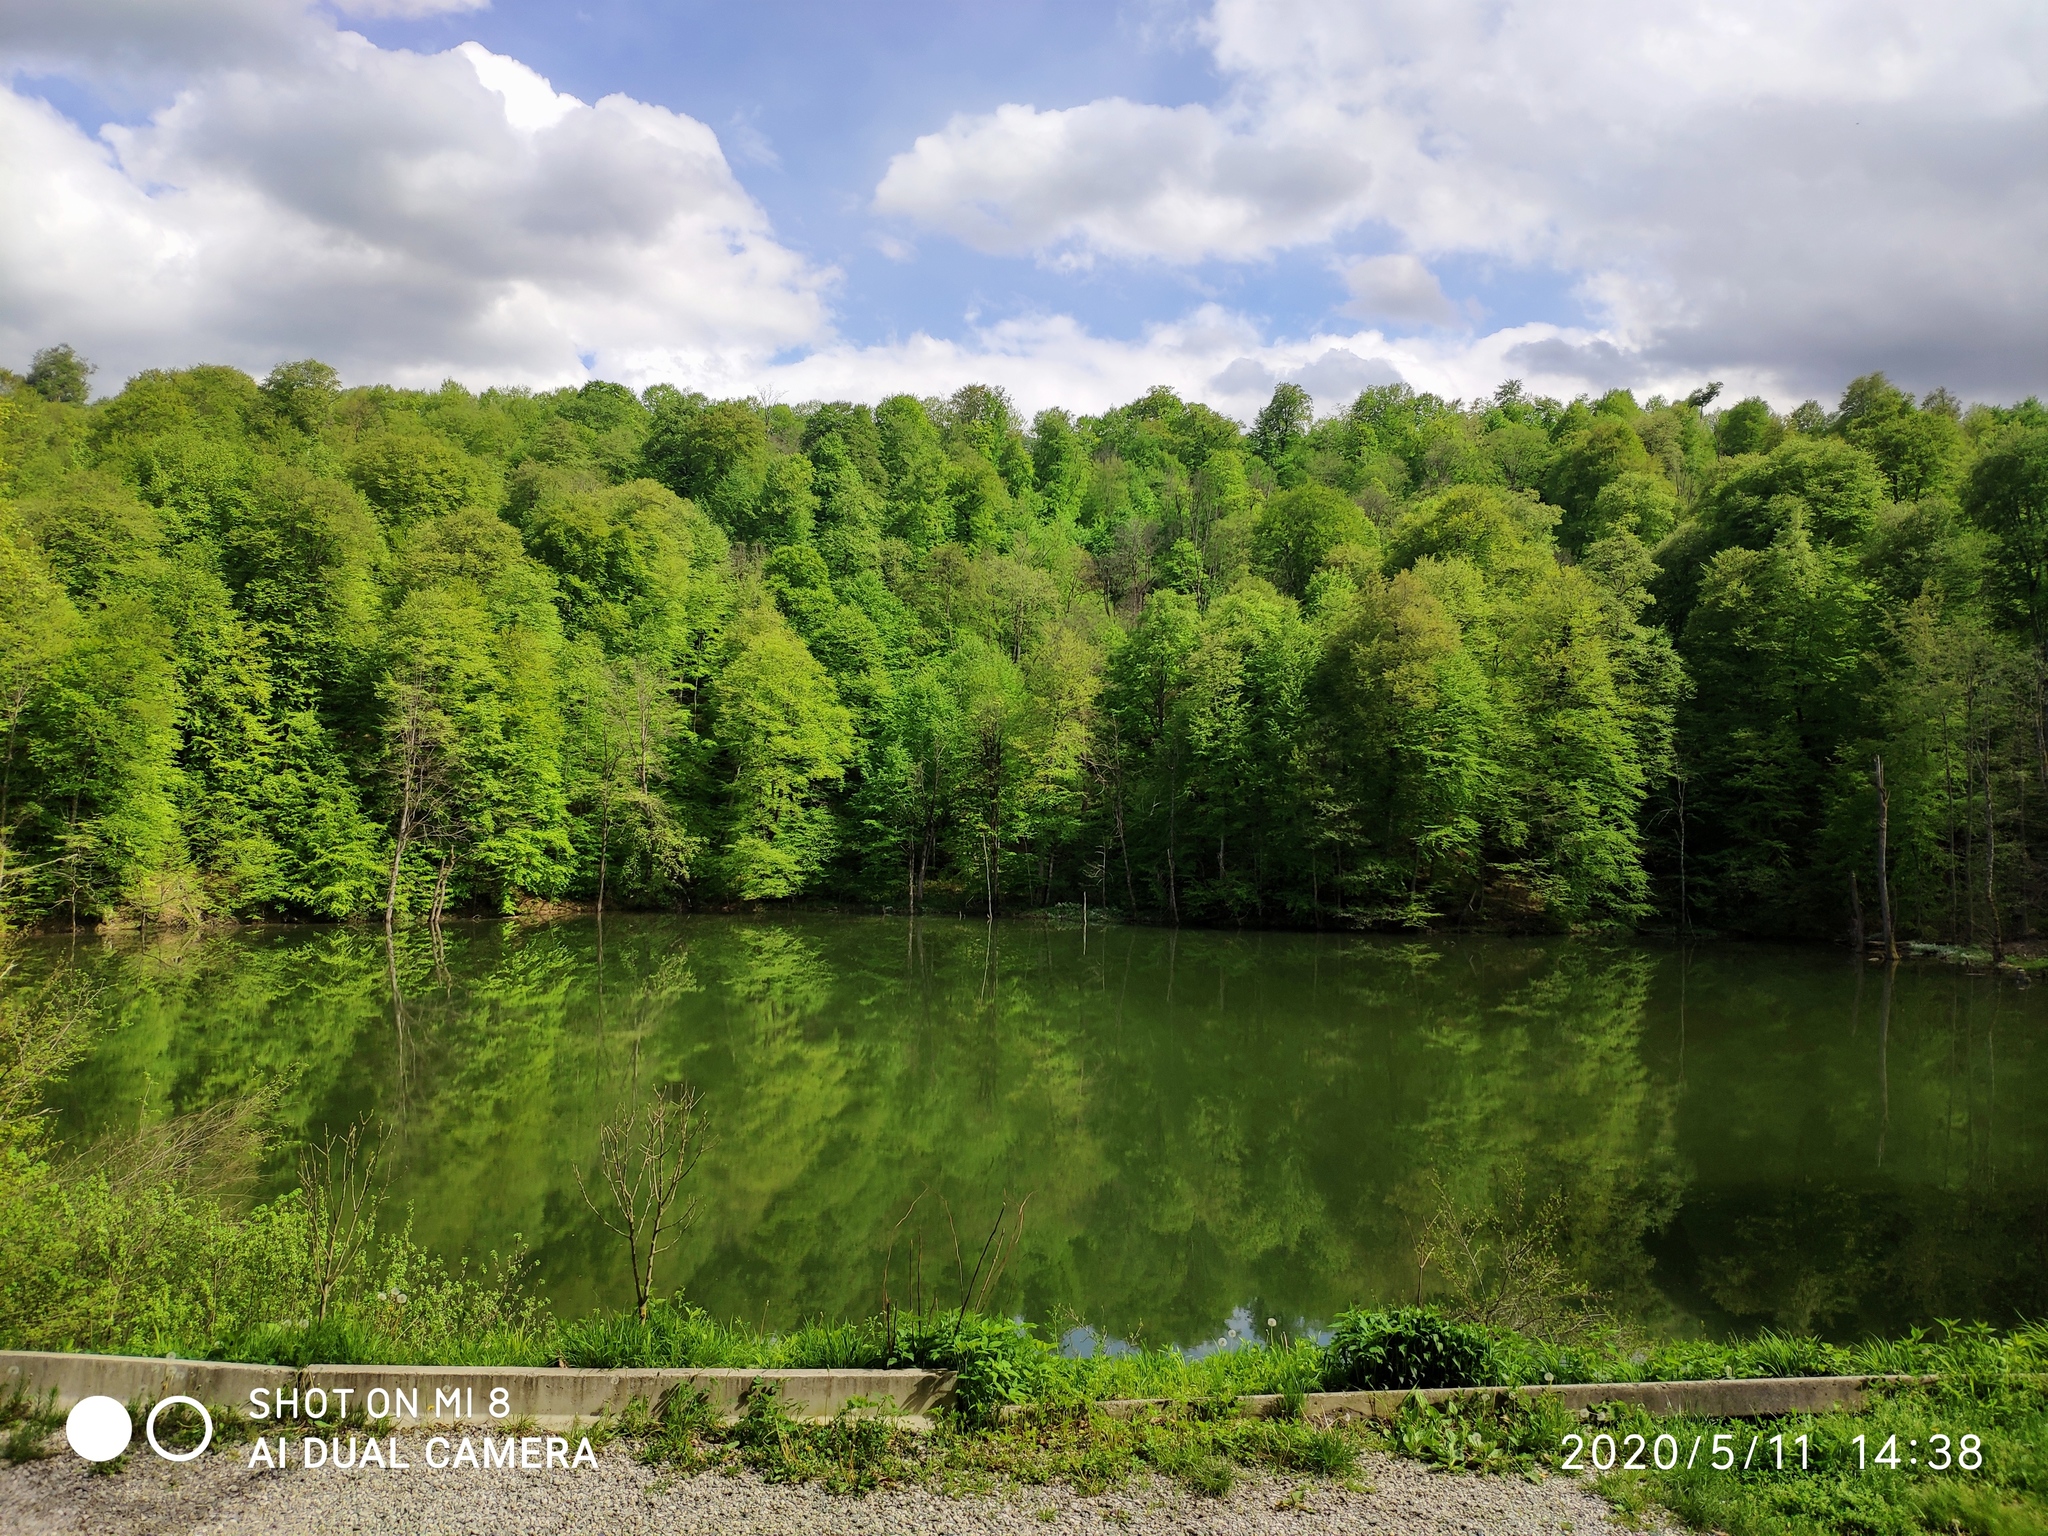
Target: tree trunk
x,y
1991,864
441,887
1884,885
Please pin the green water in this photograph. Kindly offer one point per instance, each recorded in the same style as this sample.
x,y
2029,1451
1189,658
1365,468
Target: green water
x,y
1205,1124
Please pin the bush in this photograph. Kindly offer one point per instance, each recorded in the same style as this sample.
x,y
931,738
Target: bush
x,y
1409,1347
998,1360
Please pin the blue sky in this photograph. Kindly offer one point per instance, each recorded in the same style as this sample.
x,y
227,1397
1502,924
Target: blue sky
x,y
1072,200
813,100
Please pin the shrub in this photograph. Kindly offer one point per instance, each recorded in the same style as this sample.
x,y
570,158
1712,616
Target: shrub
x,y
1408,1347
998,1360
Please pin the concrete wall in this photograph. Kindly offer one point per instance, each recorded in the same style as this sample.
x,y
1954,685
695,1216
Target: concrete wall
x,y
551,1398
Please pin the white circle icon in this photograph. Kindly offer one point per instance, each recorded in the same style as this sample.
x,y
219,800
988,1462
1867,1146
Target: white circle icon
x,y
149,1429
98,1428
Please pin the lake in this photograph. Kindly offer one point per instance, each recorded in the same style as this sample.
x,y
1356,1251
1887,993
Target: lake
x,y
1209,1127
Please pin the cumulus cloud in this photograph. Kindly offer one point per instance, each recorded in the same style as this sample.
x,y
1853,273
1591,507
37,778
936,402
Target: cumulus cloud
x,y
1396,288
1806,193
402,215
1213,354
1121,179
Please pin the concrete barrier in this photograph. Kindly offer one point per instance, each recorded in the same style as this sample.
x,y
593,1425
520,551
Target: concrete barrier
x,y
549,1397
555,1397
129,1378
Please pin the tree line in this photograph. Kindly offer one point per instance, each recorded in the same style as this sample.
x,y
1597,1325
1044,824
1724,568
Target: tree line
x,y
289,649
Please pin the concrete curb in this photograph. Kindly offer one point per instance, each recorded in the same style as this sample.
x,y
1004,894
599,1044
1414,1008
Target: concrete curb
x,y
550,1398
1754,1398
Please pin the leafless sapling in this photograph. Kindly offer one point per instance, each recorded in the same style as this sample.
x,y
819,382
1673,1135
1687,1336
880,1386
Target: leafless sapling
x,y
645,1153
342,1179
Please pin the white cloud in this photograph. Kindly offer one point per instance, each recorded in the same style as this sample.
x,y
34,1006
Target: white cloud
x,y
408,10
1117,178
1212,354
1777,200
1811,192
1396,288
404,216
531,103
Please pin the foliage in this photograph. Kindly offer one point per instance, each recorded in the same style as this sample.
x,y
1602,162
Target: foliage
x,y
297,650
1407,1347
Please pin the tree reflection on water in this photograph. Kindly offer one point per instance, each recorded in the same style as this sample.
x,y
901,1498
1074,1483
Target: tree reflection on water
x,y
1736,1136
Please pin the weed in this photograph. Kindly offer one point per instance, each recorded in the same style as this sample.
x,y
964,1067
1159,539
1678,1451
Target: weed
x,y
27,1440
1408,1347
1210,1476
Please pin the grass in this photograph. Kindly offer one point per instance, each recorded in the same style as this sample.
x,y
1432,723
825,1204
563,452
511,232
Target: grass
x,y
1991,1385
1201,1446
1206,1447
25,1427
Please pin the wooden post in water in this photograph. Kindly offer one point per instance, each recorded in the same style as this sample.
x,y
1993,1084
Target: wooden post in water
x,y
1884,883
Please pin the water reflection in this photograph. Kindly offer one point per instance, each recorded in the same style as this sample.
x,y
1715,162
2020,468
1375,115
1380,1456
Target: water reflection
x,y
1208,1125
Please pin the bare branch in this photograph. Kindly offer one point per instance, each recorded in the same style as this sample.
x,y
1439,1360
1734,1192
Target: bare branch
x,y
645,1154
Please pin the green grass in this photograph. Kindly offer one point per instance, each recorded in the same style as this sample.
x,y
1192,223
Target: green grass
x,y
1990,1386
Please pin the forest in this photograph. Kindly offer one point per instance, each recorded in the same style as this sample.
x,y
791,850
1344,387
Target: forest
x,y
294,650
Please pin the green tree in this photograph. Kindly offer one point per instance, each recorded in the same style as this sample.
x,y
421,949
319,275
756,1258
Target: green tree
x,y
1302,528
1748,426
59,375
1409,768
1587,459
786,740
2007,494
915,461
303,393
409,474
1282,424
38,627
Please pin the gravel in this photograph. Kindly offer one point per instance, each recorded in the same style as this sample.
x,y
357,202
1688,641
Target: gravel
x,y
622,1498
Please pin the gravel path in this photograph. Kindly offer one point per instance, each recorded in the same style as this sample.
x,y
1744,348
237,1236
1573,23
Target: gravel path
x,y
622,1498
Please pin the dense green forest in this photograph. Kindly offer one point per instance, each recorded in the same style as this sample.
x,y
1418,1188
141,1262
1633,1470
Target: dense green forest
x,y
293,649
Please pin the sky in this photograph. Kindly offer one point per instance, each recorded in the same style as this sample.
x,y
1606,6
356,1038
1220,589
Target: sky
x,y
1075,201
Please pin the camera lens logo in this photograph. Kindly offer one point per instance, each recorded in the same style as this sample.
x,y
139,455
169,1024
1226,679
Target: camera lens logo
x,y
99,1428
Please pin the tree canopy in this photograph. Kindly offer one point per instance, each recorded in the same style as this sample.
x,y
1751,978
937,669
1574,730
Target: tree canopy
x,y
297,649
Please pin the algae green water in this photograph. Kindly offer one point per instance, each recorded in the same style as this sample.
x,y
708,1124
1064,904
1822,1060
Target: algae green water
x,y
1209,1126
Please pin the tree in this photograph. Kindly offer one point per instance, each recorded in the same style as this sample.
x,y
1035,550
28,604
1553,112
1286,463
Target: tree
x,y
1282,423
645,1154
37,628
786,739
2007,493
1587,459
1301,528
59,375
695,449
909,781
1638,502
994,710
915,462
1748,426
410,474
1409,766
1774,648
303,393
